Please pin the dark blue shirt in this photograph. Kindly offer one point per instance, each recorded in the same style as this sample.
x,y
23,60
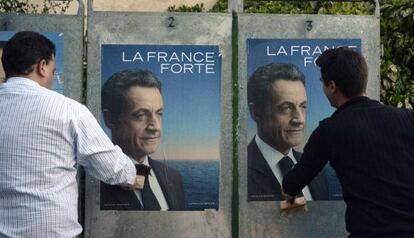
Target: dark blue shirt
x,y
371,148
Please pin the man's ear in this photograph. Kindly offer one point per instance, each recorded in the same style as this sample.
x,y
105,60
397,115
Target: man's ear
x,y
253,112
108,118
332,86
41,68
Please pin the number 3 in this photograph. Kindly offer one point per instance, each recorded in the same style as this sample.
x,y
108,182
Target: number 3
x,y
309,25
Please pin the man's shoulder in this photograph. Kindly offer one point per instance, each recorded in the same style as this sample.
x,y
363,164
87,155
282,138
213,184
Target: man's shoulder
x,y
253,154
57,98
256,163
76,108
365,110
252,149
55,105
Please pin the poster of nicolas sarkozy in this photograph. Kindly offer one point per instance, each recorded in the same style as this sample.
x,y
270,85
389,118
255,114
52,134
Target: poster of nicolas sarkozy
x,y
285,104
161,105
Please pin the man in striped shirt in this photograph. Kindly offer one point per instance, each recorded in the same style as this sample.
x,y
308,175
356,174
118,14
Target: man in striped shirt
x,y
44,136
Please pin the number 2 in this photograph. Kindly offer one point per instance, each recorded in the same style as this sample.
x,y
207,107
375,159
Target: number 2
x,y
171,22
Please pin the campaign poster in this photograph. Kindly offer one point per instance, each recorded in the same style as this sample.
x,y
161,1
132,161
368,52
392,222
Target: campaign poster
x,y
187,159
57,39
263,182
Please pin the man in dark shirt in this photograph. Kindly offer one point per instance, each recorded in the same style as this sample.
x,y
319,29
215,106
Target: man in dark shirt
x,y
370,146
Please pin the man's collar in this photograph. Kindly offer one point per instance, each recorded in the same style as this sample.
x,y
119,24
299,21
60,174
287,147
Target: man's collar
x,y
21,80
352,101
271,155
145,162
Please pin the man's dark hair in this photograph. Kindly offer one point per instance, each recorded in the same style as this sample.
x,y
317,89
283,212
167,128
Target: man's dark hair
x,y
259,86
115,90
23,50
347,68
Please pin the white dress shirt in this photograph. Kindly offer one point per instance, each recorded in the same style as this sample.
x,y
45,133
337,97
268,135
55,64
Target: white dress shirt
x,y
273,157
44,136
155,187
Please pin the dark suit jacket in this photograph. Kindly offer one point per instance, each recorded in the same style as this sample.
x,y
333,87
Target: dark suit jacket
x,y
263,185
371,148
117,198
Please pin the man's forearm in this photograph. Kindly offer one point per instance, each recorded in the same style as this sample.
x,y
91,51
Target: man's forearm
x,y
314,158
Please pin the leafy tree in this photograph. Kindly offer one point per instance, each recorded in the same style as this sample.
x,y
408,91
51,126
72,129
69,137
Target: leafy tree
x,y
26,6
184,8
220,6
397,62
299,7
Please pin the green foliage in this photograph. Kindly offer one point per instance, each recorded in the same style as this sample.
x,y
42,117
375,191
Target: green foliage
x,y
308,7
300,7
220,6
345,8
278,7
25,6
397,63
16,6
184,8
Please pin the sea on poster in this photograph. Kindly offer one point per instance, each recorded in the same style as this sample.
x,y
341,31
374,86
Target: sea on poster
x,y
190,134
302,53
57,39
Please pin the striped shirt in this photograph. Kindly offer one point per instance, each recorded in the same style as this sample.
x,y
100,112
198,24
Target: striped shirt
x,y
44,136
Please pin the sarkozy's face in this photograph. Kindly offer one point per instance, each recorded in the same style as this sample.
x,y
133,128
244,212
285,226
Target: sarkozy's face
x,y
138,129
281,124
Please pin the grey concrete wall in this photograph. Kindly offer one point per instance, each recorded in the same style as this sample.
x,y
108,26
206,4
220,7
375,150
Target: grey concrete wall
x,y
324,218
151,28
72,29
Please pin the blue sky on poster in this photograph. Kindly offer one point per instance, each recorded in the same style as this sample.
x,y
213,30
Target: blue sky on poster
x,y
190,77
57,39
302,53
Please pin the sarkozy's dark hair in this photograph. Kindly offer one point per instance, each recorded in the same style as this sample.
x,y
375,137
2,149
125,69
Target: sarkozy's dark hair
x,y
259,86
114,95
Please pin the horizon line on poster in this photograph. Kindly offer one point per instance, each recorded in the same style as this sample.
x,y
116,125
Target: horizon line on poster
x,y
306,51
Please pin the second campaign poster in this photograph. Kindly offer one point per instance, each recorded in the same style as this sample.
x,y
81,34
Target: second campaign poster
x,y
290,58
184,115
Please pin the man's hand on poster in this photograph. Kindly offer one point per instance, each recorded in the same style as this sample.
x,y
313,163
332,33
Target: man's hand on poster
x,y
287,197
292,202
138,183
